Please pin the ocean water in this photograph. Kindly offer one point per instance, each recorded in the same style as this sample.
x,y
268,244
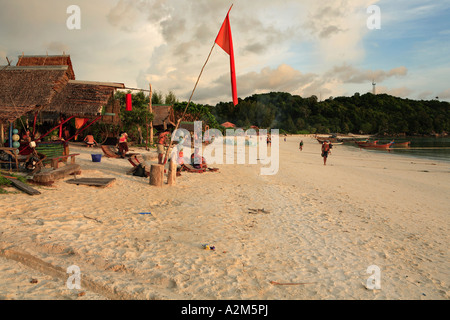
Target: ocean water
x,y
421,147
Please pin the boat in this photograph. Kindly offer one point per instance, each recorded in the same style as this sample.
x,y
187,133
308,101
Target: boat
x,y
377,146
405,144
332,140
367,143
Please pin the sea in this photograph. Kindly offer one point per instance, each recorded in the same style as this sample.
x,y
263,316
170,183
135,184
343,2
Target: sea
x,y
421,147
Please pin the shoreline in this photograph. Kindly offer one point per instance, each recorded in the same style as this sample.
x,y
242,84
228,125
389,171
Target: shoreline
x,y
323,225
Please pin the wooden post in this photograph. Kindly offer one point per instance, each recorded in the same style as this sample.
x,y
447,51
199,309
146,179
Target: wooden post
x,y
156,175
151,122
169,149
172,175
2,135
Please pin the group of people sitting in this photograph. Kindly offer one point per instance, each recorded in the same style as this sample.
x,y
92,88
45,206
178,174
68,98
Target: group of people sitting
x,y
196,160
163,141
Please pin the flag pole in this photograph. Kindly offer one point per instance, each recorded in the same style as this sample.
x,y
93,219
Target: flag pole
x,y
189,102
190,98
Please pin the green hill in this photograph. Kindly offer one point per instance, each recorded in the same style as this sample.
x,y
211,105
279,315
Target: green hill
x,y
366,114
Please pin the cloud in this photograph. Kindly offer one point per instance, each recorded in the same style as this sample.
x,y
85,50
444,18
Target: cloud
x,y
304,47
424,95
349,74
444,94
57,47
401,92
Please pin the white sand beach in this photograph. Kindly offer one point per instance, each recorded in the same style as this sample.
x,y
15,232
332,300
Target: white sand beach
x,y
321,228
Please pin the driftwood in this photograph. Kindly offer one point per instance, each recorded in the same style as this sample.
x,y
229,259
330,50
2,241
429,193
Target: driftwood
x,y
256,211
23,187
95,219
98,182
290,283
60,173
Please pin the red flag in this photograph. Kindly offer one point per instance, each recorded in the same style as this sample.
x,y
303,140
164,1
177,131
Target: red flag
x,y
129,106
225,41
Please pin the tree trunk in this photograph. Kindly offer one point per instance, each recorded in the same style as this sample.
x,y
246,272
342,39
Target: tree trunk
x,y
2,135
156,175
141,138
172,175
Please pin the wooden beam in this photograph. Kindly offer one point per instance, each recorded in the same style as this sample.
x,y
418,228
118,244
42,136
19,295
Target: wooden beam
x,y
23,187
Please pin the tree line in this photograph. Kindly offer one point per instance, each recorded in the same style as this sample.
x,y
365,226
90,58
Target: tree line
x,y
365,114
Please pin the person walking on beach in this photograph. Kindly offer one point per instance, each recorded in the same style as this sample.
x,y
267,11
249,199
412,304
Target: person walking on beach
x,y
301,145
325,151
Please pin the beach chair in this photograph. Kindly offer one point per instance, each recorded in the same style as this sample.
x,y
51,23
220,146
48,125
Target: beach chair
x,y
136,161
110,151
190,168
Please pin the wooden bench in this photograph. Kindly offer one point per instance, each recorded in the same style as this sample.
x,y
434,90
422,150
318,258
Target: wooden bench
x,y
12,153
55,160
51,176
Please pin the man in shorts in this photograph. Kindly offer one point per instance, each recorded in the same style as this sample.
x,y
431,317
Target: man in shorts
x,y
325,151
162,141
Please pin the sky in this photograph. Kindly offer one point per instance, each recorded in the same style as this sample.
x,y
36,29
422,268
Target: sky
x,y
309,47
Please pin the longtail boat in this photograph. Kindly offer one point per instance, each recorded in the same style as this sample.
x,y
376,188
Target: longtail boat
x,y
365,144
378,146
405,144
332,140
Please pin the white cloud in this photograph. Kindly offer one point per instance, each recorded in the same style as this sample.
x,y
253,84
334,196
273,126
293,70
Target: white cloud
x,y
303,47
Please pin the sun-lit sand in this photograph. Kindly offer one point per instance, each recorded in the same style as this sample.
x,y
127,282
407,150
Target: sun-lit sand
x,y
321,228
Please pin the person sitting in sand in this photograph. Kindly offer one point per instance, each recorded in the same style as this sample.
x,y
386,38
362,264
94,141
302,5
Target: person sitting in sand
x,y
90,141
197,160
123,145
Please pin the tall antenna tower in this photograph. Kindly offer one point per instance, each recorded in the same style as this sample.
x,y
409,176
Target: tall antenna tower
x,y
373,87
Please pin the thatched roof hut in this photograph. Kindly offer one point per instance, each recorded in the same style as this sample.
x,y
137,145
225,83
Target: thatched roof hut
x,y
83,98
24,89
187,125
228,125
163,116
41,60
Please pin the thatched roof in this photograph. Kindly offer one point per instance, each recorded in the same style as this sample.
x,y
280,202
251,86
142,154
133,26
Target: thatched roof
x,y
228,125
189,126
23,89
163,115
60,60
83,97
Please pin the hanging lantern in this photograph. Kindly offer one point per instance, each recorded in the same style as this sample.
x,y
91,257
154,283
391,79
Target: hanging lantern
x,y
15,139
128,102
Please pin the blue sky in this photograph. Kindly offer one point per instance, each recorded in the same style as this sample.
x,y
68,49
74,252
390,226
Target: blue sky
x,y
308,47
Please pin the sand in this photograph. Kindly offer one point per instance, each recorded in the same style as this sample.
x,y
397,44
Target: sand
x,y
321,228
